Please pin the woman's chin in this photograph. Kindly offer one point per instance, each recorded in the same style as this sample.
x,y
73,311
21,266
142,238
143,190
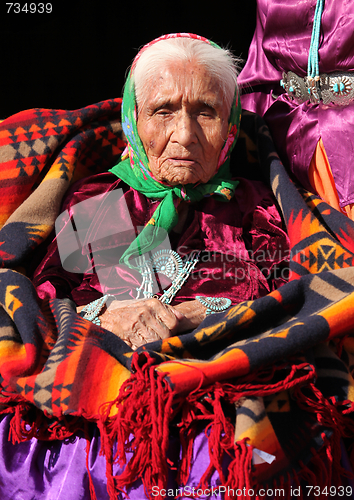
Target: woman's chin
x,y
176,173
183,177
183,181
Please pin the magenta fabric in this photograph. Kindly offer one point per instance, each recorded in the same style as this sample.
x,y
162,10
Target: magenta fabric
x,y
244,246
280,43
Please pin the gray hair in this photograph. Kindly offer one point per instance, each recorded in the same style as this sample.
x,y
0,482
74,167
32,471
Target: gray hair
x,y
220,63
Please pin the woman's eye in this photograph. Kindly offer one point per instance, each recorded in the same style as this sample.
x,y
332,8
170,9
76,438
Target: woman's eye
x,y
208,112
205,115
162,112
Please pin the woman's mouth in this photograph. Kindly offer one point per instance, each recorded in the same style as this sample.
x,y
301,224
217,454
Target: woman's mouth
x,y
183,162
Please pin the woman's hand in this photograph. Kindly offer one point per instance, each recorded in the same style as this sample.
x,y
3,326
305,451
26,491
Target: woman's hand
x,y
193,311
138,322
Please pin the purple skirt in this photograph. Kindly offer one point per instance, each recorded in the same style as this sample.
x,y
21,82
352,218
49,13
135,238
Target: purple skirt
x,y
57,470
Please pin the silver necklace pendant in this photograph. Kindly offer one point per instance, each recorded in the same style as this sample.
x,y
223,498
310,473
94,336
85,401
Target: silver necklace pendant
x,y
170,264
167,262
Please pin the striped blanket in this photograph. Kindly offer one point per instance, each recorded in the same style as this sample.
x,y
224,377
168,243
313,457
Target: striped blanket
x,y
283,361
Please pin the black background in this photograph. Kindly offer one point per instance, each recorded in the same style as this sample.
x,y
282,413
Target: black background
x,y
78,54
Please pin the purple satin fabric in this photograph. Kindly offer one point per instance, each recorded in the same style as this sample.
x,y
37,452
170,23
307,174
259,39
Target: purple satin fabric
x,y
58,469
243,244
281,43
43,470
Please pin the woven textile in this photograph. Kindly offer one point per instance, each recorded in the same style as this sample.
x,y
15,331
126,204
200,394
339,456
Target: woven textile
x,y
282,360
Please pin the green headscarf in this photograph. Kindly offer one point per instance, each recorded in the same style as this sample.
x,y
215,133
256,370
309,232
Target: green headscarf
x,y
134,169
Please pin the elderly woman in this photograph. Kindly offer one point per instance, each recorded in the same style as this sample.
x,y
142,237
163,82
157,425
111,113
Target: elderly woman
x,y
181,114
167,237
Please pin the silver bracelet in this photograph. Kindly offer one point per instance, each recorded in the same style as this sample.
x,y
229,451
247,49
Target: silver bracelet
x,y
92,310
214,304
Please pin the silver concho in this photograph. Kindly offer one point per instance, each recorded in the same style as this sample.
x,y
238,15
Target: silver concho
x,y
295,86
338,88
167,262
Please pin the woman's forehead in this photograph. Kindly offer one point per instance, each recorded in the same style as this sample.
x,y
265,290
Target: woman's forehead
x,y
186,81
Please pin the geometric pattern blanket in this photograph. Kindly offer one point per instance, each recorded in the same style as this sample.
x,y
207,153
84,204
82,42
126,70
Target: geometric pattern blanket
x,y
270,380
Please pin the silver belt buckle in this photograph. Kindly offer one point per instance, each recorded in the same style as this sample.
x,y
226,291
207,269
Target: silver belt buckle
x,y
333,88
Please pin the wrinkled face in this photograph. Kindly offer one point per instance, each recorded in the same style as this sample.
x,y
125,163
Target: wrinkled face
x,y
183,124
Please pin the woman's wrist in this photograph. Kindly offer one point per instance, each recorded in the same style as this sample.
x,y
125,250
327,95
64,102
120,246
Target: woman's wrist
x,y
94,309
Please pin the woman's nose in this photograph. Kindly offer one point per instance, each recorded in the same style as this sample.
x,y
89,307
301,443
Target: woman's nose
x,y
184,130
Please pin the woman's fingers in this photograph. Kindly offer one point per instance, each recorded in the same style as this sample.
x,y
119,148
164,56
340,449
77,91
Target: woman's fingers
x,y
141,321
138,339
169,317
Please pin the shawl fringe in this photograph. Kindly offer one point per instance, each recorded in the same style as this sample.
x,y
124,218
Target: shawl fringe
x,y
137,426
147,406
